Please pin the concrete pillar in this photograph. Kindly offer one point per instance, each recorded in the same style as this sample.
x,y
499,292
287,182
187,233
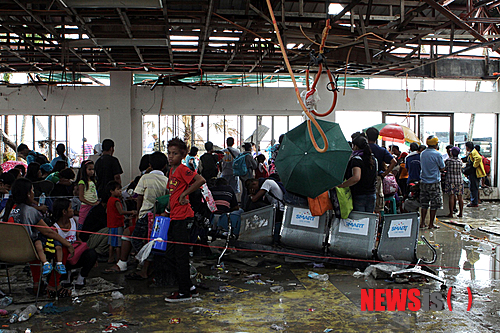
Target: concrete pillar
x,y
118,122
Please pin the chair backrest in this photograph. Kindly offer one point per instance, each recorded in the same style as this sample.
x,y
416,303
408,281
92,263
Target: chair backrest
x,y
16,246
43,186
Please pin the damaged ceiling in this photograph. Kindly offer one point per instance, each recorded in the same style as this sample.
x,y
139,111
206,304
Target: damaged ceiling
x,y
373,37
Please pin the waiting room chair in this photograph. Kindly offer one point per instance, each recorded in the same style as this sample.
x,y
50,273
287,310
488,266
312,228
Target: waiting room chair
x,y
16,248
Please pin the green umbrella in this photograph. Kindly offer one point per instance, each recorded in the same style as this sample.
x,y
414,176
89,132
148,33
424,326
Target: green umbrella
x,y
305,171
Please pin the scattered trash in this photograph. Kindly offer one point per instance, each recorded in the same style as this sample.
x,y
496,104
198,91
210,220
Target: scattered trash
x,y
311,310
113,327
14,317
320,265
358,274
77,300
175,321
270,281
107,314
277,267
277,327
28,330
76,323
316,276
5,301
232,289
3,312
467,228
50,308
28,313
92,320
203,311
117,295
253,276
277,289
327,330
4,279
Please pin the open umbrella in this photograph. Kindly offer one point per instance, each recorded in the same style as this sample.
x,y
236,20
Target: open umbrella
x,y
303,170
396,133
6,166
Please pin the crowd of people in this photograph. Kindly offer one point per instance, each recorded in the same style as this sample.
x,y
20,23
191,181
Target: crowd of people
x,y
92,216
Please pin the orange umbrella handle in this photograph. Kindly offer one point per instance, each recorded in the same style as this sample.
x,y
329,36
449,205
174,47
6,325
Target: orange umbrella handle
x,y
301,102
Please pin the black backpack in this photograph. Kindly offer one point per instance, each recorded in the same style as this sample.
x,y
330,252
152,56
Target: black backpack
x,y
209,166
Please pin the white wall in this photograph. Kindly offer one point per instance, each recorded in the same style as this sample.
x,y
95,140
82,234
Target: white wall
x,y
121,105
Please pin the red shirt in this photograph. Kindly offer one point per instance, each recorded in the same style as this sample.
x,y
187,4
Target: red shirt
x,y
178,182
115,220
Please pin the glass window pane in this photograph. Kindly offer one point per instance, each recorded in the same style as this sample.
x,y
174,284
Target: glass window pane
x,y
25,130
266,122
280,127
294,121
150,127
362,120
232,130
91,133
165,133
249,128
200,131
216,131
75,139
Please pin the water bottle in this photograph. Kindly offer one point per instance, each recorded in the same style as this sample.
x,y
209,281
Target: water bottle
x,y
467,228
316,276
28,312
15,316
41,200
5,301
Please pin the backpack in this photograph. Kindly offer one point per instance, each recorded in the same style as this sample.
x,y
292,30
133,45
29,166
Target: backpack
x,y
39,158
209,166
487,165
240,165
280,184
390,184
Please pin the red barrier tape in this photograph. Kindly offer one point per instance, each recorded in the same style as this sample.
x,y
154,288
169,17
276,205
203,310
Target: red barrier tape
x,y
261,251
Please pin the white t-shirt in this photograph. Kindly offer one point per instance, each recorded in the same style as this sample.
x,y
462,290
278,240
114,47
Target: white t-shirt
x,y
69,235
152,185
270,186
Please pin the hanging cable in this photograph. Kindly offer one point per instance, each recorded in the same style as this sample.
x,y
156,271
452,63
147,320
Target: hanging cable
x,y
301,102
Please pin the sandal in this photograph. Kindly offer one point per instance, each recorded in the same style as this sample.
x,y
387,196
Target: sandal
x,y
113,269
60,293
434,227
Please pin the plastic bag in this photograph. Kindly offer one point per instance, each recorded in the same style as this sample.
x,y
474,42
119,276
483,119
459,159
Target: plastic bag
x,y
209,199
310,98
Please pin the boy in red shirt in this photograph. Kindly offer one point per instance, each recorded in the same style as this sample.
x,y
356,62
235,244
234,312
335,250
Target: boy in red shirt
x,y
116,220
181,182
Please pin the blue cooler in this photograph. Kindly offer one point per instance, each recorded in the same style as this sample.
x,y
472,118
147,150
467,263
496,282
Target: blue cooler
x,y
160,230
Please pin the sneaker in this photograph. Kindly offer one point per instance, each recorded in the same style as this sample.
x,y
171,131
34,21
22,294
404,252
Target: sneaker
x,y
46,268
472,205
194,292
61,269
178,297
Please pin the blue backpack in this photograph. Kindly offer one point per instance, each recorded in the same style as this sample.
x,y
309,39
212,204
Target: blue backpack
x,y
240,165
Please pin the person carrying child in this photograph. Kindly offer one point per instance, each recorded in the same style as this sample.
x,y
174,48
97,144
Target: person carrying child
x,y
181,182
87,191
116,220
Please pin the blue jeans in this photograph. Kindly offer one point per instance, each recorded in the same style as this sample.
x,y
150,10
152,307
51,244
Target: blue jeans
x,y
364,202
474,188
235,217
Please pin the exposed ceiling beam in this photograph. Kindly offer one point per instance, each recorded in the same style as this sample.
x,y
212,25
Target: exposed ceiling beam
x,y
126,25
345,10
53,32
235,51
206,32
87,29
446,12
262,56
167,32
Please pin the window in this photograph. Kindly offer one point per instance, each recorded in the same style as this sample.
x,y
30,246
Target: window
x,y
43,133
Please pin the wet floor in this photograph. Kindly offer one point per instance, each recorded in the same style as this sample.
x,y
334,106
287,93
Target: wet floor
x,y
245,295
